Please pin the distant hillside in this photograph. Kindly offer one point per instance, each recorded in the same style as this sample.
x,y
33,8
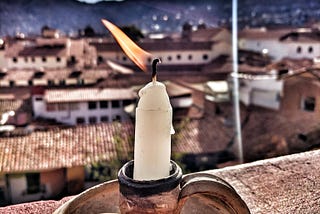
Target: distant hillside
x,y
29,16
70,15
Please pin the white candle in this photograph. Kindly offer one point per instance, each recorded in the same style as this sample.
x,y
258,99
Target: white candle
x,y
152,149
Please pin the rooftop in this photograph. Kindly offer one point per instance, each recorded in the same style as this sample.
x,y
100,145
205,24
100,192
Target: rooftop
x,y
87,94
161,45
287,184
86,144
74,146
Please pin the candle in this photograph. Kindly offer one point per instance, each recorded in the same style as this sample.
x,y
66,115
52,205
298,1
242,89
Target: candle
x,y
153,129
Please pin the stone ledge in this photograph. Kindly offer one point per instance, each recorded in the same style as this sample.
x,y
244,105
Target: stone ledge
x,y
288,184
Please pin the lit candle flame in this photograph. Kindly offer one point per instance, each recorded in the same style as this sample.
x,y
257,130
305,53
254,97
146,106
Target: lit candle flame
x,y
131,49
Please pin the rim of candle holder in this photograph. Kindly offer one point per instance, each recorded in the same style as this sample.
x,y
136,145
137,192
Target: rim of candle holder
x,y
142,188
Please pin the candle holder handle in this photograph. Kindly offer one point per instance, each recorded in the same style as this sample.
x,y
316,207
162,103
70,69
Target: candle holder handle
x,y
207,193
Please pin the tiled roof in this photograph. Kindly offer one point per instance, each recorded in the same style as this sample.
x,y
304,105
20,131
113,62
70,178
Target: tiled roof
x,y
47,50
67,147
206,34
9,105
54,74
263,33
176,90
201,136
59,148
161,45
293,64
21,93
88,94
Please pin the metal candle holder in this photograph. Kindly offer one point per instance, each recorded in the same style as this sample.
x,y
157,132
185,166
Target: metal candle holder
x,y
174,194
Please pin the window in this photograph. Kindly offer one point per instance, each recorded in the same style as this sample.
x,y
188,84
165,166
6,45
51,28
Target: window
x,y
73,106
26,59
33,183
44,59
80,81
58,59
117,118
15,59
299,49
189,57
126,102
104,104
33,59
92,105
62,106
309,104
310,49
178,57
115,104
169,58
51,107
100,59
92,120
205,56
80,120
62,82
104,119
39,98
11,83
2,196
50,82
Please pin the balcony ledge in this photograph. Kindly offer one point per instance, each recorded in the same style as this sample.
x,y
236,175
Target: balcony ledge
x,y
287,184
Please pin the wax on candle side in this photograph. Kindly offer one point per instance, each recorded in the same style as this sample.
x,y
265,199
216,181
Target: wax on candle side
x,y
152,150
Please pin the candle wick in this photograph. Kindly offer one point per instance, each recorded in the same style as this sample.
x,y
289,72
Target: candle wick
x,y
154,69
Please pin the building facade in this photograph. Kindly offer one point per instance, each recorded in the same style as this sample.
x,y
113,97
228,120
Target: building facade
x,y
83,106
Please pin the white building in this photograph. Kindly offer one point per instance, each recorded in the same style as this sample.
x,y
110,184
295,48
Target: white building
x,y
49,53
201,48
264,91
83,106
290,43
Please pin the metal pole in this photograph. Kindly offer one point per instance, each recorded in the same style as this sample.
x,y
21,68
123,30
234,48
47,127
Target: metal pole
x,y
236,105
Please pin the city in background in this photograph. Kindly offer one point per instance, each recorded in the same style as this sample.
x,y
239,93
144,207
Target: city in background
x,y
68,92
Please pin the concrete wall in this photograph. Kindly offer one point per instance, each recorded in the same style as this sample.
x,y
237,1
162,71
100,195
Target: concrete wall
x,y
54,181
3,63
75,179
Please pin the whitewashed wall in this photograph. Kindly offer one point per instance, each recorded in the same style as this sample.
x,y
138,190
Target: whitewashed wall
x,y
264,93
51,62
69,116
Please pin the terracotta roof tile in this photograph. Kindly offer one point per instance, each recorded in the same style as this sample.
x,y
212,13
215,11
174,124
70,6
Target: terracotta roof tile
x,y
66,147
206,34
161,45
87,94
63,147
47,50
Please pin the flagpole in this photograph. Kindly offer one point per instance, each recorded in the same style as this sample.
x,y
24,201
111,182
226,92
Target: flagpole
x,y
236,105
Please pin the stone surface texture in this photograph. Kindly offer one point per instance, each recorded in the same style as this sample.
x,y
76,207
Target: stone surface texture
x,y
287,184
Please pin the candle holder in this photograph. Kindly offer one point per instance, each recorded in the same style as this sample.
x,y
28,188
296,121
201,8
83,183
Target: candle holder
x,y
192,193
199,192
150,196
